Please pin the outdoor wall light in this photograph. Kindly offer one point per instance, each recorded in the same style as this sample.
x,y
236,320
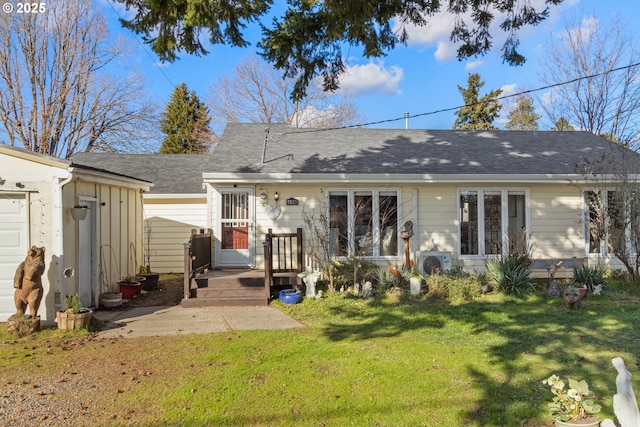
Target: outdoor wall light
x,y
276,197
263,196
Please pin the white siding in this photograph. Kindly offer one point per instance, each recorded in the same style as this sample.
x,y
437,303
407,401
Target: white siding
x,y
555,216
168,225
37,181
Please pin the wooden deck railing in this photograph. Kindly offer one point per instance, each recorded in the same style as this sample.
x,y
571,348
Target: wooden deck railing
x,y
283,257
197,257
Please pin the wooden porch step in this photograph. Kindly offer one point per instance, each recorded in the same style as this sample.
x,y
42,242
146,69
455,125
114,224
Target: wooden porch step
x,y
214,289
224,302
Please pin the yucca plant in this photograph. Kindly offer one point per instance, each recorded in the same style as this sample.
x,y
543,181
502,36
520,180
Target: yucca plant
x,y
509,275
588,276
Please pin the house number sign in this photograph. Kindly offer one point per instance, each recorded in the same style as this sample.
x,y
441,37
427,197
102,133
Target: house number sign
x,y
292,201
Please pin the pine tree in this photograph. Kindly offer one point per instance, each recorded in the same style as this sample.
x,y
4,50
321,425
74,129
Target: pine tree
x,y
185,123
478,112
523,114
562,124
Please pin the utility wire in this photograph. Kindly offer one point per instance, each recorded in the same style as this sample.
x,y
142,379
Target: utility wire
x,y
146,51
499,98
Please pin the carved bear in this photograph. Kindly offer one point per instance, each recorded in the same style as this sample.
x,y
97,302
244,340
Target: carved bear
x,y
28,282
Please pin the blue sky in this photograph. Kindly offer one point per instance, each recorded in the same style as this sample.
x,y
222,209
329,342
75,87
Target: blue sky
x,y
419,78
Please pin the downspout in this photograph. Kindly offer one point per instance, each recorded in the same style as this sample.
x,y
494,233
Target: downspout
x,y
59,249
416,244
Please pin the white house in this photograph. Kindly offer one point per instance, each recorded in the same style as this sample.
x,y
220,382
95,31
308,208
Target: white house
x,y
469,194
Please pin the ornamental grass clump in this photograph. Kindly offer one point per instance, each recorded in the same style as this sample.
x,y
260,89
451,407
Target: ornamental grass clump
x,y
572,403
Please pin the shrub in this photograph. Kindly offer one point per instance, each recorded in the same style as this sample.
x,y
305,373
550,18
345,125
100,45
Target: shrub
x,y
343,272
509,275
384,281
588,276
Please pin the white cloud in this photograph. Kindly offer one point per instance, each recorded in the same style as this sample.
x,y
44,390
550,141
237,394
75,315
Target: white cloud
x,y
508,89
371,78
437,32
473,65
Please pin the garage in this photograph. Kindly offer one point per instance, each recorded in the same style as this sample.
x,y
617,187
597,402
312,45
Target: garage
x,y
13,246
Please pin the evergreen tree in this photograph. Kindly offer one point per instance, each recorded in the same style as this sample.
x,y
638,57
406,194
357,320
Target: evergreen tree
x,y
185,123
523,114
478,112
562,124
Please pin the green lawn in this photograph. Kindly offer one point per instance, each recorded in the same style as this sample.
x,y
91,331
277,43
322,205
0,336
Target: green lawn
x,y
380,362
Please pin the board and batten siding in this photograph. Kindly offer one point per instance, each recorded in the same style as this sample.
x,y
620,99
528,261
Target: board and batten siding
x,y
118,232
167,226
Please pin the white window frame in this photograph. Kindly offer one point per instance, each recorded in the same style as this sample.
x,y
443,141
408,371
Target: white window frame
x,y
504,200
375,193
604,247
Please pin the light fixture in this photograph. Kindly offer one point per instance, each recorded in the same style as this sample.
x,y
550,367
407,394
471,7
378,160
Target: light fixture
x,y
276,197
263,196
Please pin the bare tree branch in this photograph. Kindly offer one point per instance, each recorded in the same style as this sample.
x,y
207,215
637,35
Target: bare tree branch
x,y
258,93
57,95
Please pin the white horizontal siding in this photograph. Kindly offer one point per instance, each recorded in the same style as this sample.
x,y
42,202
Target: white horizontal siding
x,y
168,223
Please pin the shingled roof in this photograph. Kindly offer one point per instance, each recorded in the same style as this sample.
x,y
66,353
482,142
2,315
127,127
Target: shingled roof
x,y
170,173
400,151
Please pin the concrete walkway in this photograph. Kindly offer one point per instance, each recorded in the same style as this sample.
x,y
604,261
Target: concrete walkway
x,y
176,320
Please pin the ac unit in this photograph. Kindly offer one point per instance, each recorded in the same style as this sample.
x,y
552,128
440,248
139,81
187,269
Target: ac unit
x,y
430,262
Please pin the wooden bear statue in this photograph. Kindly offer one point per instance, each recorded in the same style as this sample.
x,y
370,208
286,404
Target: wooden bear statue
x,y
28,282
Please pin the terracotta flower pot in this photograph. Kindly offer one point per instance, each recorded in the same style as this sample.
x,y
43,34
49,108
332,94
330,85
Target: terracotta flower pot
x,y
129,289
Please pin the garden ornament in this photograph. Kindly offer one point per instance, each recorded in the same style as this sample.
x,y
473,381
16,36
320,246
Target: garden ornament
x,y
625,405
28,283
310,278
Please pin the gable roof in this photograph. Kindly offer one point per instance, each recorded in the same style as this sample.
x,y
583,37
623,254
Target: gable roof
x,y
394,152
64,164
170,173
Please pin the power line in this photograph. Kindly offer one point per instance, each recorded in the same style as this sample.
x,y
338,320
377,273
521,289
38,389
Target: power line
x,y
499,98
144,48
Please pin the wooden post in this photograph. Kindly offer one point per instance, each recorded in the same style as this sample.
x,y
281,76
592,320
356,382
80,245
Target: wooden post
x,y
187,270
407,253
267,263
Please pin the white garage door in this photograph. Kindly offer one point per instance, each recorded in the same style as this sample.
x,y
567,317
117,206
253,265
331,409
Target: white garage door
x,y
13,247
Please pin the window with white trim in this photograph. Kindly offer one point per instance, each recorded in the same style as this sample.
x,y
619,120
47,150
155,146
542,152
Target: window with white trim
x,y
607,222
363,223
492,222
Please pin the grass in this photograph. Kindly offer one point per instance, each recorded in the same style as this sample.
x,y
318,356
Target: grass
x,y
392,361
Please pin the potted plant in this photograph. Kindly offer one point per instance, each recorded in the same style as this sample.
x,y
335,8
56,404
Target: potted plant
x,y
130,287
573,405
74,316
151,279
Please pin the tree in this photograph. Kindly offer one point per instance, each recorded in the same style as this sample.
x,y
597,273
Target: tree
x,y
257,93
609,101
562,125
58,93
612,199
306,41
523,114
478,112
185,122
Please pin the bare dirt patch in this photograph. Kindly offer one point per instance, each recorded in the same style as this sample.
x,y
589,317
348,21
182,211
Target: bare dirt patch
x,y
170,292
70,380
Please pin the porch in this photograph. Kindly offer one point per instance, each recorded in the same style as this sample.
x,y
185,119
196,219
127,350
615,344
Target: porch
x,y
205,286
